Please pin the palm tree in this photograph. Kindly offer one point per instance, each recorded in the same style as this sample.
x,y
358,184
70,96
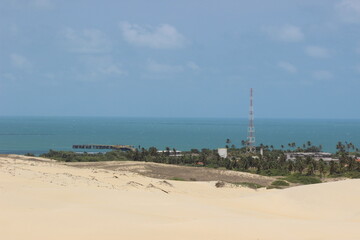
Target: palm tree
x,y
299,165
333,167
153,151
167,151
291,166
310,169
340,147
321,168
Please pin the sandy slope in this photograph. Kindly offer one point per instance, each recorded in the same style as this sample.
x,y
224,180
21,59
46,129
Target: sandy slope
x,y
47,200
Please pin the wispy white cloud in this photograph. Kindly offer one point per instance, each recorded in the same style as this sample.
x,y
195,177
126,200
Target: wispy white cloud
x,y
317,52
96,68
163,36
349,10
86,41
193,66
287,67
156,67
19,61
322,75
286,33
112,69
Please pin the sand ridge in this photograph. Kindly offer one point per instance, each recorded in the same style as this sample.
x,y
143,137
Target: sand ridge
x,y
44,199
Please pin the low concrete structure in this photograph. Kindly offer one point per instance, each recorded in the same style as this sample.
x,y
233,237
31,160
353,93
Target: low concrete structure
x,y
171,153
316,155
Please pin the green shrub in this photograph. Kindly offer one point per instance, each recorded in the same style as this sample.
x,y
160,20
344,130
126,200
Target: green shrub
x,y
273,187
280,183
352,174
177,179
297,178
219,184
274,172
68,156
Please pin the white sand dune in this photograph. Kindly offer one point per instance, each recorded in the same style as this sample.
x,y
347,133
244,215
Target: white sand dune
x,y
47,200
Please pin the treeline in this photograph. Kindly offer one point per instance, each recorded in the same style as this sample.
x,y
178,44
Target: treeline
x,y
67,156
272,163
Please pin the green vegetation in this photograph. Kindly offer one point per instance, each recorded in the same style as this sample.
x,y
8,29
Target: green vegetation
x,y
352,174
249,185
274,187
85,157
297,178
274,172
177,179
280,183
273,162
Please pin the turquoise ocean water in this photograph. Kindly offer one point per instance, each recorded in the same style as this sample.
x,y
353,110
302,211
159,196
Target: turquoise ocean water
x,y
39,134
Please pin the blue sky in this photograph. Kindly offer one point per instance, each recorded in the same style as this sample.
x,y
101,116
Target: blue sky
x,y
180,58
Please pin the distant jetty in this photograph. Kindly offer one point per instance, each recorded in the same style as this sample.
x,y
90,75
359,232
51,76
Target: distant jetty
x,y
97,146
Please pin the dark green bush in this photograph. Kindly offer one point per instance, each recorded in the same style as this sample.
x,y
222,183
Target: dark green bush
x,y
274,172
297,178
352,174
280,183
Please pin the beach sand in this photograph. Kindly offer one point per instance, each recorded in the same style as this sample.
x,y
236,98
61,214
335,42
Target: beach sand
x,y
44,199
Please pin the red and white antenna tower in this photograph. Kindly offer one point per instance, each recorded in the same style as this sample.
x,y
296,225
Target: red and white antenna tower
x,y
250,147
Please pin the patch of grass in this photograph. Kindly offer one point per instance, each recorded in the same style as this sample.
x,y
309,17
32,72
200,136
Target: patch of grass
x,y
297,178
280,183
249,185
353,174
177,179
273,187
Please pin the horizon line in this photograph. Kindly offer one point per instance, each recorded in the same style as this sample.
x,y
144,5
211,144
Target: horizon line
x,y
178,117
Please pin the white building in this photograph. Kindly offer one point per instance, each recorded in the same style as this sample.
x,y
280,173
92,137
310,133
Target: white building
x,y
327,157
172,153
222,152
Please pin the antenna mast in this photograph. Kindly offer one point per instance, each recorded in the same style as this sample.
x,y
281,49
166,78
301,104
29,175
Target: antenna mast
x,y
250,147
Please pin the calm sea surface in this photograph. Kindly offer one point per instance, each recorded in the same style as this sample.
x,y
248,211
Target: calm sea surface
x,y
39,134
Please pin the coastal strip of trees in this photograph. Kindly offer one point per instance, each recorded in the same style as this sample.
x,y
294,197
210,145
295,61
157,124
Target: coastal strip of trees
x,y
273,162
